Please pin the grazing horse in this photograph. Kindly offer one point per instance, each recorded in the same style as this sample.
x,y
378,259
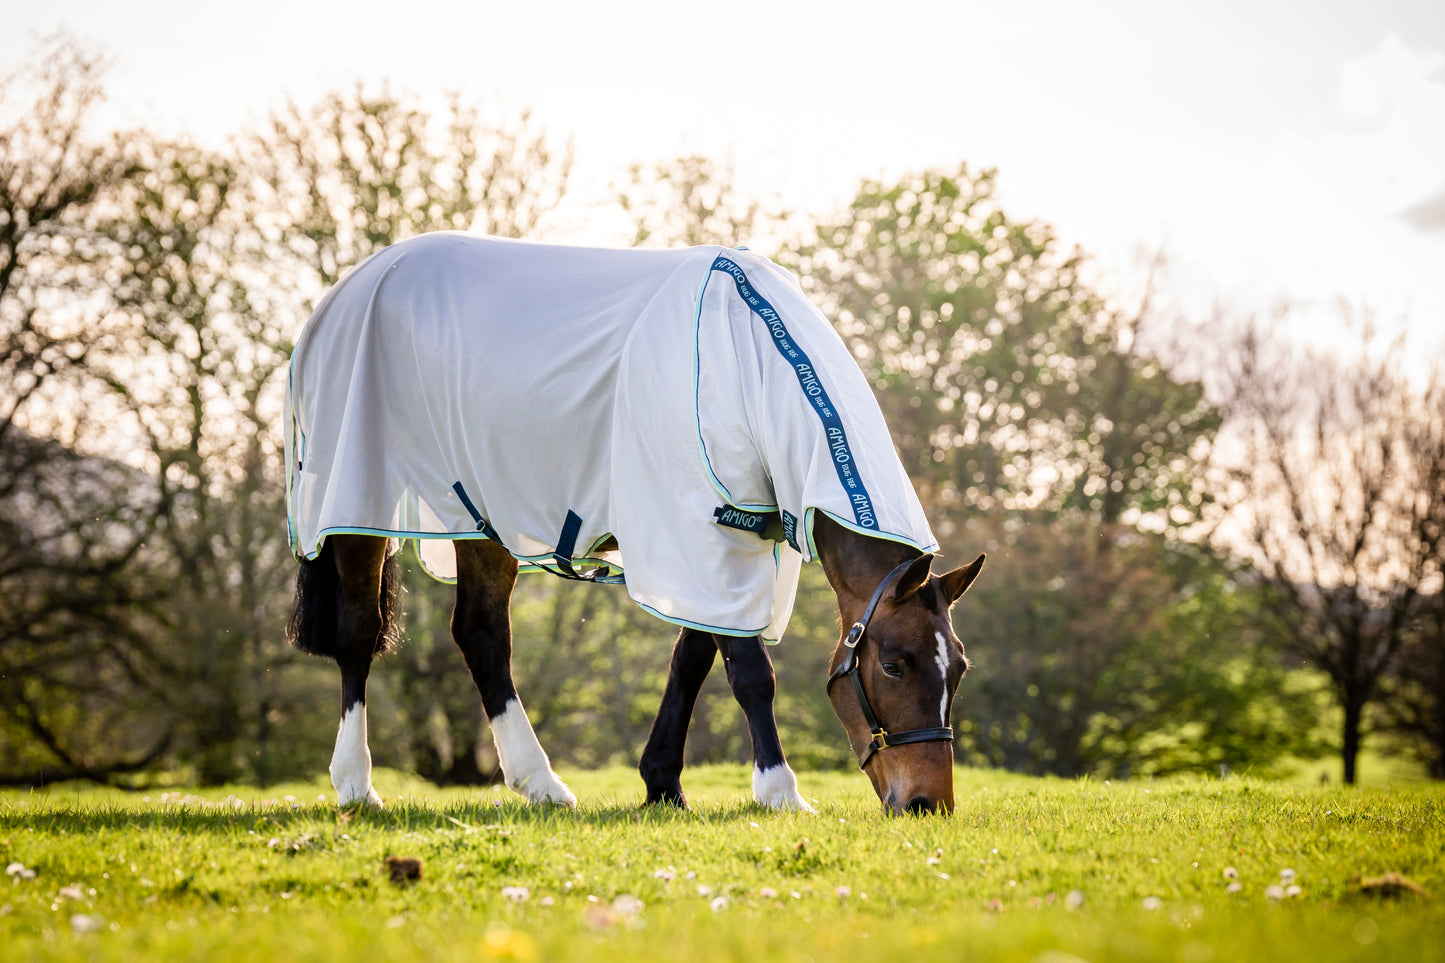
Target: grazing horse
x,y
682,422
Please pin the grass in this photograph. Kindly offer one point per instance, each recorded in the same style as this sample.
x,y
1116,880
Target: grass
x,y
1027,869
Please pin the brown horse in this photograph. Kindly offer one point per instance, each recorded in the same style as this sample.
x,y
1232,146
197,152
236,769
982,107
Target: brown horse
x,y
483,391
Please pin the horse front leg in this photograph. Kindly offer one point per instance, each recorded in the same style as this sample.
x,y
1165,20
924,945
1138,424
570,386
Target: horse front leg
x,y
662,759
363,626
482,628
750,674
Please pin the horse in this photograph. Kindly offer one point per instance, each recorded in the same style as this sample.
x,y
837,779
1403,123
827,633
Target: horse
x,y
699,431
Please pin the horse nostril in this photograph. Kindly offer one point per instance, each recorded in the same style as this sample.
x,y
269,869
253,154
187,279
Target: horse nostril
x,y
919,804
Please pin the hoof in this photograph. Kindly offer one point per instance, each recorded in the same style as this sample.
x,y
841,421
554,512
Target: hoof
x,y
777,789
667,796
368,797
547,790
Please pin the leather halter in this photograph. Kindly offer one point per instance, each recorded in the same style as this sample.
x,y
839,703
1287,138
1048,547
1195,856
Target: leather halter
x,y
882,738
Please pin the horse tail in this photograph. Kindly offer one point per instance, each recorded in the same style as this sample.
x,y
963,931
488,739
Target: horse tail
x,y
312,626
390,636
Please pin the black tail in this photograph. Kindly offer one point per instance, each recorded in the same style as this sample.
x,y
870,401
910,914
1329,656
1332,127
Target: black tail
x,y
390,636
315,609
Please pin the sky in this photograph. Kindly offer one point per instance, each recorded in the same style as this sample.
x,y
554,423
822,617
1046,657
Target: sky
x,y
1277,151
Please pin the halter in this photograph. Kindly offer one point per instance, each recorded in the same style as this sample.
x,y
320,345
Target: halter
x,y
882,738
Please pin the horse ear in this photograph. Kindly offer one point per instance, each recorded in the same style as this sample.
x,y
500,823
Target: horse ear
x,y
955,583
912,580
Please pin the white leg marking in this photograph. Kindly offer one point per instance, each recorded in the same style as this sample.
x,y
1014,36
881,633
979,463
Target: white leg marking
x,y
777,788
351,761
942,661
525,766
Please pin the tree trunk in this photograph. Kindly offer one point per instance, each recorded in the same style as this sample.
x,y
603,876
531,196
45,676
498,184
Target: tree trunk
x,y
1350,744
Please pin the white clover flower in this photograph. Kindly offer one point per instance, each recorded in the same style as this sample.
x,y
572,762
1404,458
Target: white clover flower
x,y
719,904
516,894
627,905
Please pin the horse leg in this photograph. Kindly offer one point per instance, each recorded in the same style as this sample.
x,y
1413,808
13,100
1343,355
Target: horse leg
x,y
362,627
482,628
662,760
750,674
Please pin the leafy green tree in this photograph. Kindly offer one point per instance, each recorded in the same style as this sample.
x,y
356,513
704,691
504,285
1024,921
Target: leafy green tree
x,y
1007,382
692,200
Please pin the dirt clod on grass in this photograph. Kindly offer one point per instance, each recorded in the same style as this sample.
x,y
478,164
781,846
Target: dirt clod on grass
x,y
1390,885
404,870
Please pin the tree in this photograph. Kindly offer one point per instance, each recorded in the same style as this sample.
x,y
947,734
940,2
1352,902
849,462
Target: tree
x,y
1337,501
78,606
200,398
1413,703
692,200
332,183
1412,706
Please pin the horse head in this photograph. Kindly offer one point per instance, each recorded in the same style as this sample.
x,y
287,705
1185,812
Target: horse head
x,y
893,678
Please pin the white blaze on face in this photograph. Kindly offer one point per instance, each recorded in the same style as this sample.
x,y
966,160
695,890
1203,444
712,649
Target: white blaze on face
x,y
941,660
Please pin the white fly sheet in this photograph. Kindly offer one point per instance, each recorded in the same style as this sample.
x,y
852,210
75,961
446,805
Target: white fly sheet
x,y
681,402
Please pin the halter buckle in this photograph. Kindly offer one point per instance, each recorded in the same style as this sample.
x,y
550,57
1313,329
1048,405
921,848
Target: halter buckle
x,y
880,739
855,634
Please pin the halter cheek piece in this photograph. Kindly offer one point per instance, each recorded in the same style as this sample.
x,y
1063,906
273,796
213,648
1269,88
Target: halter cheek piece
x,y
882,738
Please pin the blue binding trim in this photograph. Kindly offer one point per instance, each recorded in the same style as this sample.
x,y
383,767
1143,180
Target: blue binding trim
x,y
843,460
739,633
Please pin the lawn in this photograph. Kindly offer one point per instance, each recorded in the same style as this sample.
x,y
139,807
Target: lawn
x,y
1041,870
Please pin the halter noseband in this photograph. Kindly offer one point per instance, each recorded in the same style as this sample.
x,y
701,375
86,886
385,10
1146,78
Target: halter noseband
x,y
882,738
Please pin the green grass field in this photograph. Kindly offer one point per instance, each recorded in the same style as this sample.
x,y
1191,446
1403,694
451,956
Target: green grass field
x,y
1027,869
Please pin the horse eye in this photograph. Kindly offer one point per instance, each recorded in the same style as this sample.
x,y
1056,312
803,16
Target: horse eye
x,y
893,669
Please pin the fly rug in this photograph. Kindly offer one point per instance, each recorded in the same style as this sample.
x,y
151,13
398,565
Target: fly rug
x,y
683,422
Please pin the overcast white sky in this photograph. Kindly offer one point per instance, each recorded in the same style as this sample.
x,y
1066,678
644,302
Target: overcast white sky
x,y
1278,149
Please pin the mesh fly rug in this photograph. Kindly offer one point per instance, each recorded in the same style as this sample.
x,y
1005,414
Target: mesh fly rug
x,y
692,405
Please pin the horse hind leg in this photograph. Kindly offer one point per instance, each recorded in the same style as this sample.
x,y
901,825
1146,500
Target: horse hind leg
x,y
662,760
481,626
750,674
366,592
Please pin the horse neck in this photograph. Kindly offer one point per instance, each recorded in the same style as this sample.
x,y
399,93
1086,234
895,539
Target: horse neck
x,y
855,564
